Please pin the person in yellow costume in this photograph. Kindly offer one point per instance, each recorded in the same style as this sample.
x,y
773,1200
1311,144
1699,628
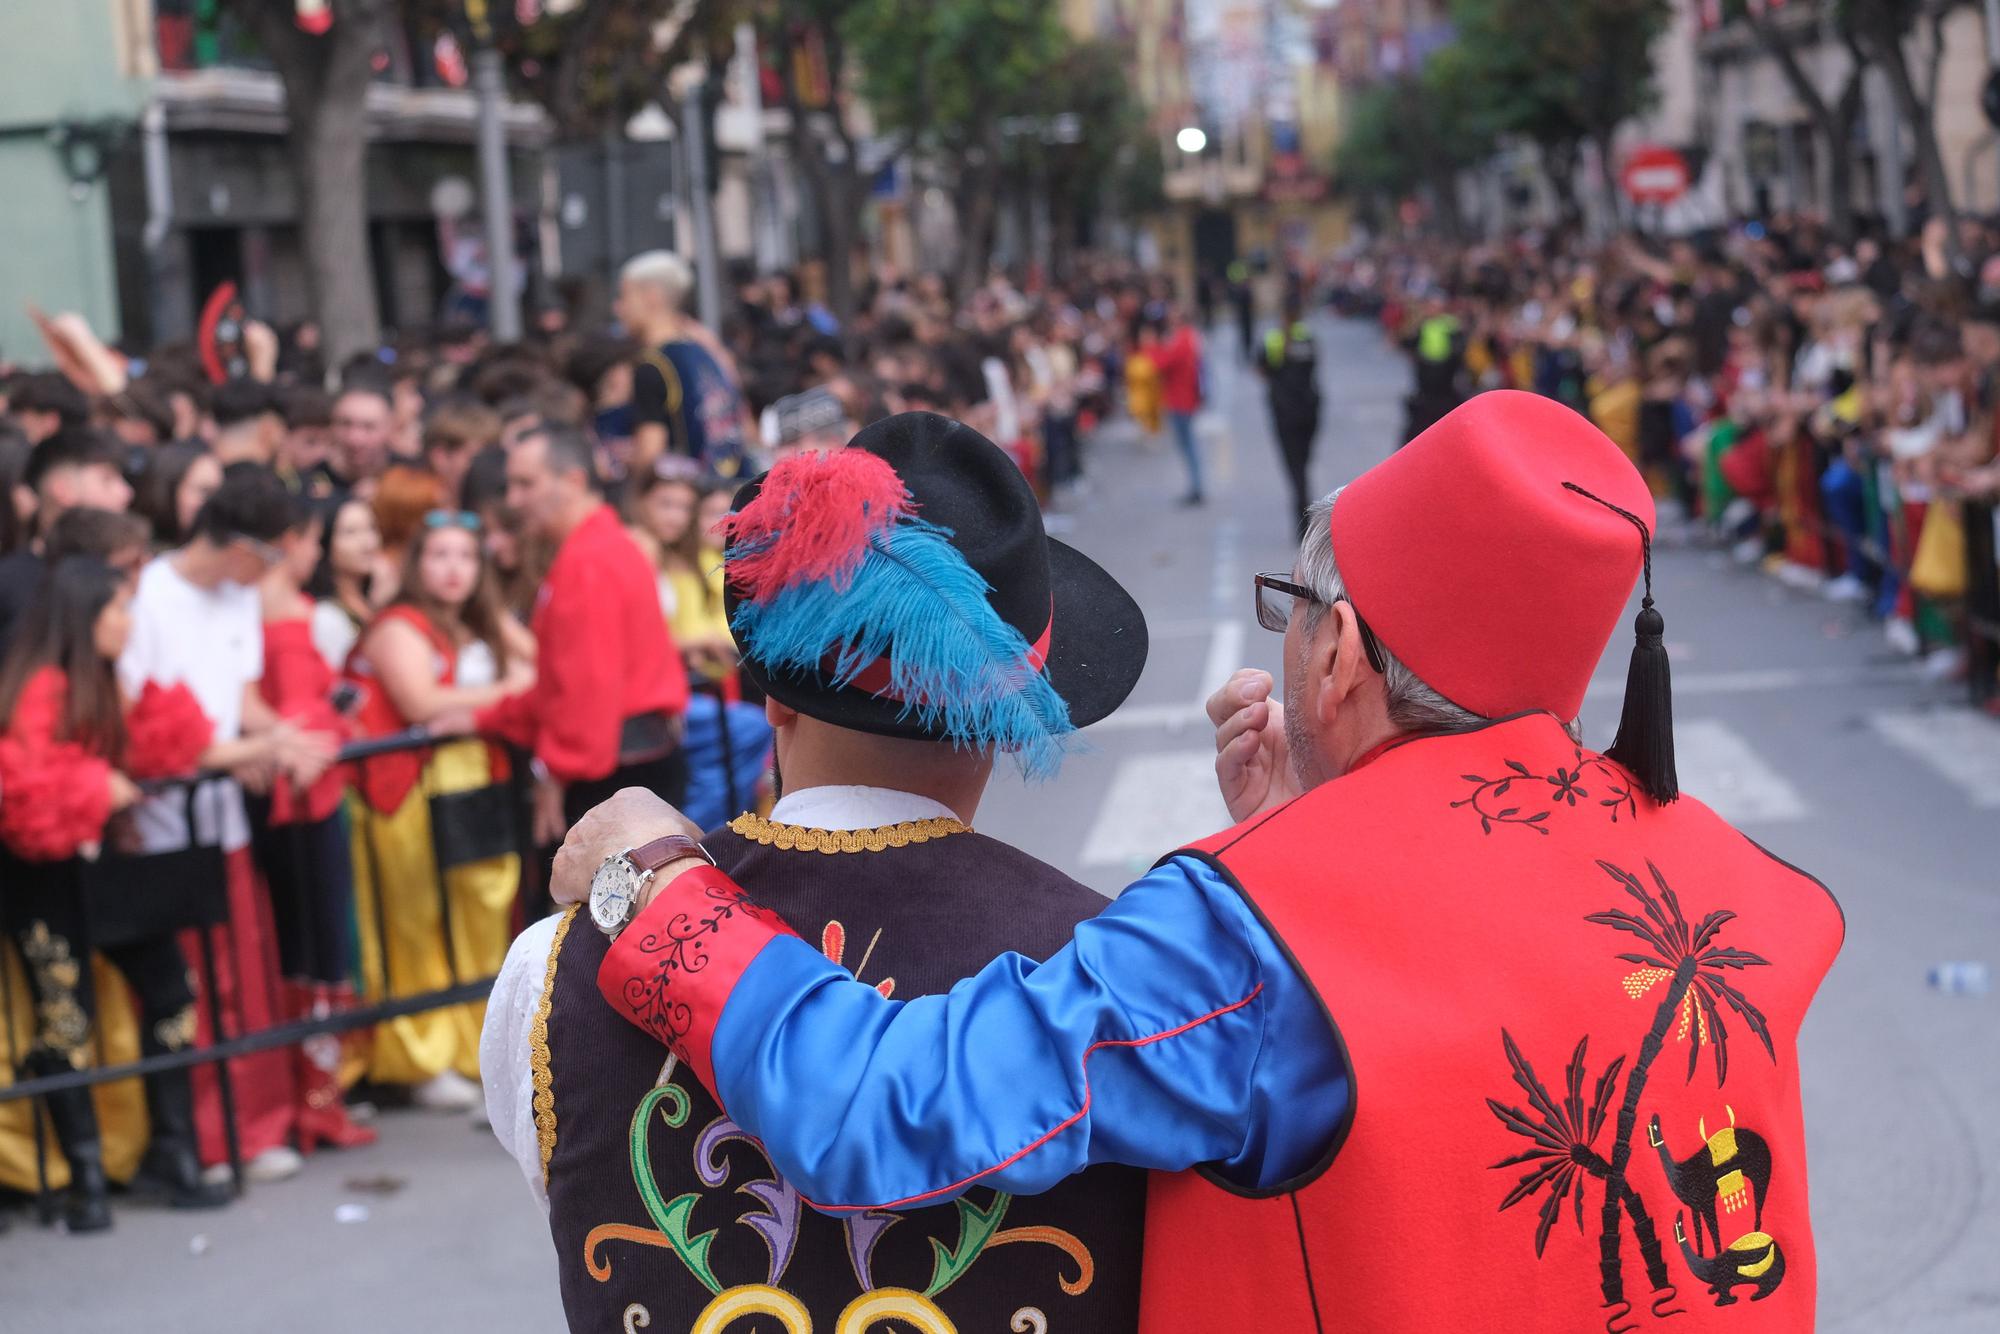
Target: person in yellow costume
x,y
1142,381
438,653
663,517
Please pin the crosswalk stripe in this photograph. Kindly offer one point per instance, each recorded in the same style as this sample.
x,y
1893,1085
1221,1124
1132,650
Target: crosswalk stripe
x,y
1154,804
1959,744
1721,769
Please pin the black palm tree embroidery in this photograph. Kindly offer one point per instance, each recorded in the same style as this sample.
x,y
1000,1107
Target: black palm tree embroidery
x,y
1694,967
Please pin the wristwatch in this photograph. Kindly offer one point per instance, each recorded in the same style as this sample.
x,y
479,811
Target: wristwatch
x,y
615,889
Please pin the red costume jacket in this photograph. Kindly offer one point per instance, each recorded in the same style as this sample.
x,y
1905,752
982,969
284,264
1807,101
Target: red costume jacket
x,y
604,655
1571,1017
298,685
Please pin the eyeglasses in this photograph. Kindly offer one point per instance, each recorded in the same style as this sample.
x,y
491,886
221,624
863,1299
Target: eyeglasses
x,y
1274,610
465,519
263,551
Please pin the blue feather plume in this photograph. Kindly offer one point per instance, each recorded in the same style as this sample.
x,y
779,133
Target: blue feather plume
x,y
958,668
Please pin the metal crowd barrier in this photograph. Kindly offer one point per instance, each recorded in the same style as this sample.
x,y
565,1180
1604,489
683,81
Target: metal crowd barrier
x,y
187,888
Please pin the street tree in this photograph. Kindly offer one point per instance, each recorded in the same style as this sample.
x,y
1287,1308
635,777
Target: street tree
x,y
1416,133
1780,32
1562,73
325,77
1885,30
809,47
1079,133
942,77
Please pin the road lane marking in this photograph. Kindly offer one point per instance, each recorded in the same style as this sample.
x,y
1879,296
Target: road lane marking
x,y
1959,744
1154,804
1721,769
1225,655
1762,680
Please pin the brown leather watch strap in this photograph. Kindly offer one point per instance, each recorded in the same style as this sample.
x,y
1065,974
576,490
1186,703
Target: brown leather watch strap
x,y
671,847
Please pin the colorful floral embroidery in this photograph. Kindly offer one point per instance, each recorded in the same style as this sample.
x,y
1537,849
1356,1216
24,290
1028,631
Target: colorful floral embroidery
x,y
777,1223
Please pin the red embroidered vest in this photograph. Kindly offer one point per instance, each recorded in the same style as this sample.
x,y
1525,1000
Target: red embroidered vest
x,y
1570,1018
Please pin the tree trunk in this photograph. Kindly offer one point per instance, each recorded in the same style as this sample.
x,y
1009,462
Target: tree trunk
x,y
978,206
835,187
1917,115
1559,161
841,216
326,90
1833,124
1607,178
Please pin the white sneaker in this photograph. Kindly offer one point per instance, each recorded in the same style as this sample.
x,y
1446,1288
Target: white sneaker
x,y
1902,636
1847,588
1749,551
274,1164
1737,513
447,1092
1802,577
1943,664
217,1175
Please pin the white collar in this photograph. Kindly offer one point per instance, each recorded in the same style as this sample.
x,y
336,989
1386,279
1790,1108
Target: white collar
x,y
855,807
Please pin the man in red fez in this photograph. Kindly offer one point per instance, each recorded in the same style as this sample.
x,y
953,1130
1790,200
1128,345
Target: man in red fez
x,y
1463,1025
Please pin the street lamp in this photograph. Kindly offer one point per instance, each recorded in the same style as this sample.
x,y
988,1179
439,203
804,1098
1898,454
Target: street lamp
x,y
1191,140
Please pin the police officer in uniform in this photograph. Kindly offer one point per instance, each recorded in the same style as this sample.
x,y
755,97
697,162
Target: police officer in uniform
x,y
1290,367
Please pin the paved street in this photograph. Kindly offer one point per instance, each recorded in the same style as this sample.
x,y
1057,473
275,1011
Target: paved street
x,y
1792,719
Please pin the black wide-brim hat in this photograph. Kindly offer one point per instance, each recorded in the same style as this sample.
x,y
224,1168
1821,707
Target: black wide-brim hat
x,y
964,483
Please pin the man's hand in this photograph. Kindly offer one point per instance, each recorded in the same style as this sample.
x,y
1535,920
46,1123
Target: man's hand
x,y
304,756
1253,763
548,814
632,817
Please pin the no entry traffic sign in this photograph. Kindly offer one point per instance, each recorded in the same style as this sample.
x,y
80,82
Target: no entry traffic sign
x,y
1654,175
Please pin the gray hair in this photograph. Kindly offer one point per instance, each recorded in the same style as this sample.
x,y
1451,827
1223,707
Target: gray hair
x,y
662,269
1414,706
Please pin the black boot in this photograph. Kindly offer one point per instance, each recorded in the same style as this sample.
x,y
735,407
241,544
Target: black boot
x,y
85,1207
171,1169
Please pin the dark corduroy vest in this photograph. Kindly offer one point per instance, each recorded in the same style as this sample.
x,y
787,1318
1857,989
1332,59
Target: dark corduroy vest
x,y
658,1201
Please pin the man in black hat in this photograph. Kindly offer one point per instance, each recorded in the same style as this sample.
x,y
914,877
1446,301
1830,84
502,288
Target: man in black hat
x,y
926,534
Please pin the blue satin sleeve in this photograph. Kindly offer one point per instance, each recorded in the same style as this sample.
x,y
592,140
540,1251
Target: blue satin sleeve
x,y
1172,1031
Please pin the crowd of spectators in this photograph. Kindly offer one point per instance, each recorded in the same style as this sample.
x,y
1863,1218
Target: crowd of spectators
x,y
407,618
1826,411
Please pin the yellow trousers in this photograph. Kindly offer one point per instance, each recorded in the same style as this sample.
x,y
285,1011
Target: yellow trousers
x,y
397,850
121,1107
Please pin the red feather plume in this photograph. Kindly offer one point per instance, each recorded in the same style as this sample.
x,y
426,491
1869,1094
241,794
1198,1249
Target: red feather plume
x,y
812,520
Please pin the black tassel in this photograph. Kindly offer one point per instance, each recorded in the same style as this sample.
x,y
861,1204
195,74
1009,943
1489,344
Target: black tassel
x,y
1645,742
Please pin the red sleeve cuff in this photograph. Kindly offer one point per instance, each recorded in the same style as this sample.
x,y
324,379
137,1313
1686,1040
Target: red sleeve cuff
x,y
671,970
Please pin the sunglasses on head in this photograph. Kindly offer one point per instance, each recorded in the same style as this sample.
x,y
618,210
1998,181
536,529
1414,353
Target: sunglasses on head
x,y
465,519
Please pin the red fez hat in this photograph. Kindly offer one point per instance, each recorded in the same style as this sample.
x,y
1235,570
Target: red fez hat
x,y
1494,553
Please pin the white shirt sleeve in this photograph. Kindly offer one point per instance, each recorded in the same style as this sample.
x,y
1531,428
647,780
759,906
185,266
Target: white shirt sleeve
x,y
506,1060
332,634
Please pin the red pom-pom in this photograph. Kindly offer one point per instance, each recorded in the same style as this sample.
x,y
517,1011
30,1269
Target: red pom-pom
x,y
53,800
165,733
812,519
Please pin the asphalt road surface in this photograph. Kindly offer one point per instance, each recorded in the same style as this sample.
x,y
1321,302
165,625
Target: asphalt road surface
x,y
1793,720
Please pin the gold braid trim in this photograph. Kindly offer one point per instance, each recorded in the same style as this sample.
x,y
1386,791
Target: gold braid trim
x,y
538,1048
796,838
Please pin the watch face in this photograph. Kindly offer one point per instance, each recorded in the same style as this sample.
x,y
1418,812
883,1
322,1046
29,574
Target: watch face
x,y
611,891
